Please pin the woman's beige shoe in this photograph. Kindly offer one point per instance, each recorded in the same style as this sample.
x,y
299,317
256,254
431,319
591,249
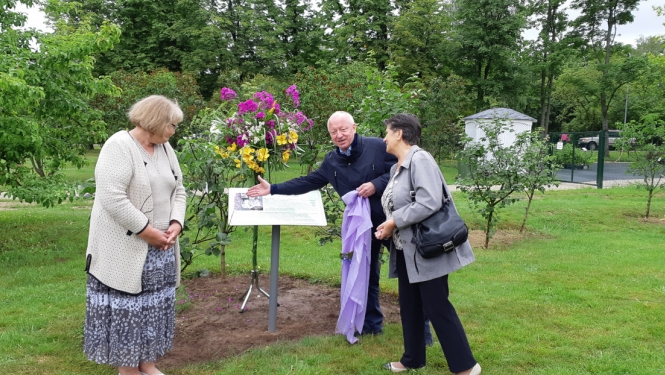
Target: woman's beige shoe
x,y
475,370
392,368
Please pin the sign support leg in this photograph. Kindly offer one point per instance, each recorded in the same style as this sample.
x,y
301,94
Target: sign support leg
x,y
274,273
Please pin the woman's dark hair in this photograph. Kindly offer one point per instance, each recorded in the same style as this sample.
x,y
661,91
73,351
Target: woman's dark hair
x,y
408,124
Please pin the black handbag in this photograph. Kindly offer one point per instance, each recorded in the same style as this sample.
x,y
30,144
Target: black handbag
x,y
441,232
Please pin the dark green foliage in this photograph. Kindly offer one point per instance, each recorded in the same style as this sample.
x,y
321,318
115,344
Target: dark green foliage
x,y
45,118
443,103
486,41
359,29
136,86
420,42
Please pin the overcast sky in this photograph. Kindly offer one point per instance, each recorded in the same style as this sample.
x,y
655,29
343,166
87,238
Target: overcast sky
x,y
646,23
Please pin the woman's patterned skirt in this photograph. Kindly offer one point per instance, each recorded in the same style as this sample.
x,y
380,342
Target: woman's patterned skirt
x,y
122,329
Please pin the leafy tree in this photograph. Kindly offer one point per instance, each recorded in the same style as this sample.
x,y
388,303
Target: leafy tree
x,y
300,36
135,86
443,102
177,35
549,50
358,27
576,93
386,97
538,169
647,137
654,44
644,96
488,34
327,89
600,43
421,39
493,173
19,130
56,120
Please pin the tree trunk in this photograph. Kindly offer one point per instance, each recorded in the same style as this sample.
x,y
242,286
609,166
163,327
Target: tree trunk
x,y
543,75
38,166
649,204
222,259
603,95
487,231
528,206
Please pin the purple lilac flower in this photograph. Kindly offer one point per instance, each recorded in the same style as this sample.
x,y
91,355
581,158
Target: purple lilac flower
x,y
227,94
265,99
311,124
270,124
300,117
270,137
276,108
248,106
292,91
260,115
240,141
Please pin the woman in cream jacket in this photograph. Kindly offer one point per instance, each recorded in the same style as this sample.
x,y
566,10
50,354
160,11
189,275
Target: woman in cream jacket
x,y
133,259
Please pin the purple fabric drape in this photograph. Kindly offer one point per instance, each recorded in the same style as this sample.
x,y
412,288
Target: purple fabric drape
x,y
356,241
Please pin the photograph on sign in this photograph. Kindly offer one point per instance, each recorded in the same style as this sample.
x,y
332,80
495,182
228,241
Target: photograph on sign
x,y
303,209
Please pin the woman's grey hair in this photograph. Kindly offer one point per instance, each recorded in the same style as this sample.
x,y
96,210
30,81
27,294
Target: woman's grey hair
x,y
408,124
155,114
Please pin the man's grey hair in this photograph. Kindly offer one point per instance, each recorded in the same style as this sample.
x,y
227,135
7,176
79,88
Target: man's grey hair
x,y
344,114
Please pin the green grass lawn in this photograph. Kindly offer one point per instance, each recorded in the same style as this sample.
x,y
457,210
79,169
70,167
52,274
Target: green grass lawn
x,y
583,292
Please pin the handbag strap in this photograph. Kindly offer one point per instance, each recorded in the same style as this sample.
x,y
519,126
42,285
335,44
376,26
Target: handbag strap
x,y
412,193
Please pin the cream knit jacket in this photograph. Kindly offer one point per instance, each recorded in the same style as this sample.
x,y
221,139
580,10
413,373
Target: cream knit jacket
x,y
123,207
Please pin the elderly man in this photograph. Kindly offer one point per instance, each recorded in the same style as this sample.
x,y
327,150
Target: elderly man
x,y
358,163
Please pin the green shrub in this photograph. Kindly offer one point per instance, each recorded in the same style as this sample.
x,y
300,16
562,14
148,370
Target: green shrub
x,y
574,157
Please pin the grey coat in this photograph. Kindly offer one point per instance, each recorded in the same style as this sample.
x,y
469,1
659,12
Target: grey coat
x,y
419,172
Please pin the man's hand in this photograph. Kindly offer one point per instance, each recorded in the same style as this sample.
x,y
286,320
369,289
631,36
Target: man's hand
x,y
263,188
366,190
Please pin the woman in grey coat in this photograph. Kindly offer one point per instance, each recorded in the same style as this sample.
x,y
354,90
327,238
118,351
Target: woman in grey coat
x,y
423,283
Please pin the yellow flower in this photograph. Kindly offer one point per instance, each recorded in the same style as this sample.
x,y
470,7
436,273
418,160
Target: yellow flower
x,y
233,147
262,154
248,158
281,139
247,150
252,165
272,110
294,136
238,163
286,155
221,153
259,170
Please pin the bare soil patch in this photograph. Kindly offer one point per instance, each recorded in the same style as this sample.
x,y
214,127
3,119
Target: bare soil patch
x,y
212,328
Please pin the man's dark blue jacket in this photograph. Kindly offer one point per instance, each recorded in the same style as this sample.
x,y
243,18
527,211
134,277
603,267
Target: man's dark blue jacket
x,y
368,162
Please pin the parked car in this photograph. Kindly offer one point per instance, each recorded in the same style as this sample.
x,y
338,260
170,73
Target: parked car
x,y
591,143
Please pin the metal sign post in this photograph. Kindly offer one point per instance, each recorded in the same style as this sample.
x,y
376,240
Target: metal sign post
x,y
275,210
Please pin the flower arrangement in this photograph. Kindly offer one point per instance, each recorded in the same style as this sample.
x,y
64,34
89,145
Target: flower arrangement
x,y
259,132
